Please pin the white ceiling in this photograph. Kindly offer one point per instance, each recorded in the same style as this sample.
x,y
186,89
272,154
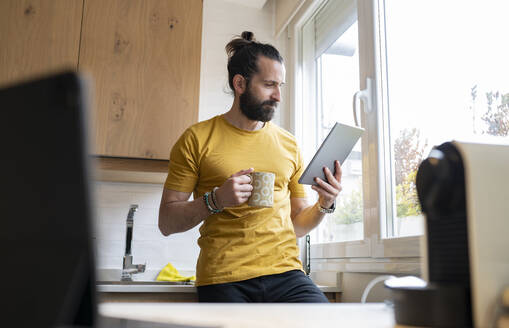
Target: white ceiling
x,y
258,4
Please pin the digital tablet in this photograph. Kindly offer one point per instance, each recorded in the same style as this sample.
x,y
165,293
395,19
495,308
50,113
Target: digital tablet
x,y
337,146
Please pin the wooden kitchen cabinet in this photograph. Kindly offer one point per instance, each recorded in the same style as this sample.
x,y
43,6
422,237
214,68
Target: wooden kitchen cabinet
x,y
144,57
38,37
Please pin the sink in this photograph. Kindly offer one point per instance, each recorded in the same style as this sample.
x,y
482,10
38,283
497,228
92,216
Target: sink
x,y
154,282
112,277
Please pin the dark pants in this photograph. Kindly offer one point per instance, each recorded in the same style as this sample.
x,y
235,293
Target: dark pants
x,y
289,287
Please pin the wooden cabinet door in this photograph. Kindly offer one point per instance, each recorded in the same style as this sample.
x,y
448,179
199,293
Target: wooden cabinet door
x,y
144,58
38,37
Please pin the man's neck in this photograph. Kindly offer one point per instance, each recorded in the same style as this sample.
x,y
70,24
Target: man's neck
x,y
235,117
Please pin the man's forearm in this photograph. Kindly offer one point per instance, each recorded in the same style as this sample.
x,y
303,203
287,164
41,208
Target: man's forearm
x,y
307,220
180,216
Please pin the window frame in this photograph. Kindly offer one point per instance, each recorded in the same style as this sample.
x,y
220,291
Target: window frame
x,y
376,160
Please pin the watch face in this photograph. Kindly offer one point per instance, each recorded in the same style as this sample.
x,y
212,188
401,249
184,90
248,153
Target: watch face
x,y
327,210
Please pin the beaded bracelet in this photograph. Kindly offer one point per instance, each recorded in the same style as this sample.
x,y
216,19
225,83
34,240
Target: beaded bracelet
x,y
214,199
209,207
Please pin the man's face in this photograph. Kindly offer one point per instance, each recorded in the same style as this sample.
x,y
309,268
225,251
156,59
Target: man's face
x,y
263,90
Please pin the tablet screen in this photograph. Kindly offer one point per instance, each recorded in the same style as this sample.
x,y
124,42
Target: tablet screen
x,y
337,146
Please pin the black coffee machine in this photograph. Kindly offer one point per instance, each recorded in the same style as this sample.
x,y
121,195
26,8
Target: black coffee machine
x,y
445,300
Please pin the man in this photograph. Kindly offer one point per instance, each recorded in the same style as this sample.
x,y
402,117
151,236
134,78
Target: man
x,y
248,254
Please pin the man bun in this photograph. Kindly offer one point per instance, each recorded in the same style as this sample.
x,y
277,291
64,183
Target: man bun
x,y
238,43
249,36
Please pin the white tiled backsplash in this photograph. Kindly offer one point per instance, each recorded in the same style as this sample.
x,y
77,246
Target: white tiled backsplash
x,y
149,245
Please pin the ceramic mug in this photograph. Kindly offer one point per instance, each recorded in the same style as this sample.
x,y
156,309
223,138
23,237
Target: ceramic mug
x,y
263,189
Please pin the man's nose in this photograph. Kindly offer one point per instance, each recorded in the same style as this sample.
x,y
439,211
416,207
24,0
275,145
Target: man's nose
x,y
276,95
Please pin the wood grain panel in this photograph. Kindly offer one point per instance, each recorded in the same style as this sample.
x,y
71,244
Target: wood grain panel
x,y
132,164
38,37
144,57
117,169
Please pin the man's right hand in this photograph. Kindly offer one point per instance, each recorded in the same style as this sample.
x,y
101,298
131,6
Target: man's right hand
x,y
236,190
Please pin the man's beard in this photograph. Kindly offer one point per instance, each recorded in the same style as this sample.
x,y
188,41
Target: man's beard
x,y
256,110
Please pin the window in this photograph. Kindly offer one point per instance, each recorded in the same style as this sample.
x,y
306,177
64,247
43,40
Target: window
x,y
331,73
444,81
337,79
437,76
335,58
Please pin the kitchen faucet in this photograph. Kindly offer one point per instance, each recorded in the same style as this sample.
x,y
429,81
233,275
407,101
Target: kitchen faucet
x,y
128,268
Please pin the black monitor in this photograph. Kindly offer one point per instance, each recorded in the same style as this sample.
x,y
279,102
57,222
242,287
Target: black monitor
x,y
48,269
46,208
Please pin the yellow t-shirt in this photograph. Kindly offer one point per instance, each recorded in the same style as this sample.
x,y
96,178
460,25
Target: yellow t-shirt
x,y
241,242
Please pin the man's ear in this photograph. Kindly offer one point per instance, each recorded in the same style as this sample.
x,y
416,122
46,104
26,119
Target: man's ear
x,y
239,84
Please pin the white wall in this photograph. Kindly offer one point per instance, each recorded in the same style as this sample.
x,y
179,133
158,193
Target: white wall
x,y
223,20
114,199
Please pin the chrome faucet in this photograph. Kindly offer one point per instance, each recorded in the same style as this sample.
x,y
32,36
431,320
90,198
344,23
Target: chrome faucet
x,y
128,268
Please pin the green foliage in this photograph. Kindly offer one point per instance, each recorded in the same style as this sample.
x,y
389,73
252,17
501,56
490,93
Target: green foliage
x,y
348,208
408,153
407,202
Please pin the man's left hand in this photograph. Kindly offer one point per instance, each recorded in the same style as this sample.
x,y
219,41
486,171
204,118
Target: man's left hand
x,y
328,190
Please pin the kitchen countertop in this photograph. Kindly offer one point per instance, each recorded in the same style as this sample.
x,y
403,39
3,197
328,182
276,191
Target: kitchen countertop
x,y
373,315
147,287
161,287
108,281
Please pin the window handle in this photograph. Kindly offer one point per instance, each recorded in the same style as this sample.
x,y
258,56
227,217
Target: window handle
x,y
366,95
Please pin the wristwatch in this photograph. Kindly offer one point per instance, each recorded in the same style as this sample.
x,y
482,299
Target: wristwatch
x,y
327,210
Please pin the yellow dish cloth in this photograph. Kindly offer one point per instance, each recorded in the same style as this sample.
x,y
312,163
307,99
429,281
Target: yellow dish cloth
x,y
169,273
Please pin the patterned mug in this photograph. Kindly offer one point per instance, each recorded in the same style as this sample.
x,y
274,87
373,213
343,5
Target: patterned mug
x,y
263,189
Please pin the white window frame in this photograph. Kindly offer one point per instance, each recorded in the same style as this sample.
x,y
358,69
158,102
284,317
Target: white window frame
x,y
355,256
